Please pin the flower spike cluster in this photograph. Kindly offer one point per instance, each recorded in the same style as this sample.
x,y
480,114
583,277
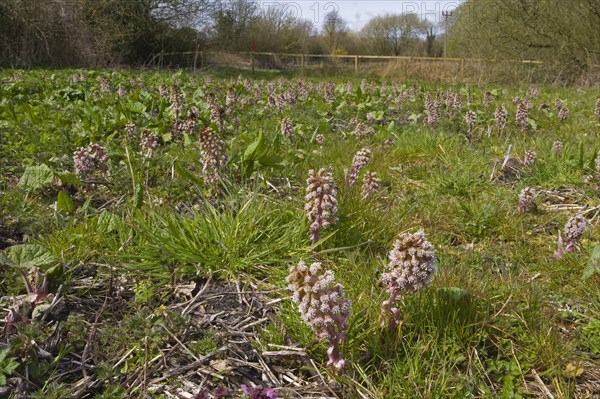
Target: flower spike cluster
x,y
500,118
526,200
563,114
370,184
322,306
361,159
149,142
529,158
212,154
287,129
90,158
573,231
321,201
557,146
412,266
470,120
521,116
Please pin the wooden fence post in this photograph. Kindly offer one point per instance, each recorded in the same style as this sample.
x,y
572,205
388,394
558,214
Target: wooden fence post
x,y
302,63
462,68
356,64
252,61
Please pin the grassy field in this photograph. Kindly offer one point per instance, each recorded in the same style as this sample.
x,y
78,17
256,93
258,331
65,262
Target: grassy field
x,y
148,222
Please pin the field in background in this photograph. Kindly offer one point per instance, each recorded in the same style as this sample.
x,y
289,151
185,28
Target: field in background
x,y
438,69
153,263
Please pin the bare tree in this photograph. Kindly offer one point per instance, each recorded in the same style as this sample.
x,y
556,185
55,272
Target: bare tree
x,y
391,33
277,29
333,28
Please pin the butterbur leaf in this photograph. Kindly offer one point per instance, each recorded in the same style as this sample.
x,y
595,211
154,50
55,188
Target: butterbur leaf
x,y
254,150
7,366
187,140
181,171
36,176
26,256
593,265
136,107
69,179
64,203
414,118
271,160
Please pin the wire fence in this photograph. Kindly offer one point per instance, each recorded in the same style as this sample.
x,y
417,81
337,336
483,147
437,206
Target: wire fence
x,y
435,68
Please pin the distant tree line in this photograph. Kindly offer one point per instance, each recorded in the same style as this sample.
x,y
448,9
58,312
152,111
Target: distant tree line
x,y
134,32
549,30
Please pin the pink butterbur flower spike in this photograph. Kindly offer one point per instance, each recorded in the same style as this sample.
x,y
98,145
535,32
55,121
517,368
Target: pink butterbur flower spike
x,y
573,231
321,202
360,160
322,306
412,266
213,155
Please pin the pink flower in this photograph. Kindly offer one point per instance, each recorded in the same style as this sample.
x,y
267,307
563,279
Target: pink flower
x,y
322,306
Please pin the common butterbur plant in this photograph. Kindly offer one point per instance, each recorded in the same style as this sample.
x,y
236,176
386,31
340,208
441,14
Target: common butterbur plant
x,y
529,158
176,100
89,159
500,118
361,131
321,201
558,103
412,266
521,116
557,146
574,229
322,307
259,392
360,160
212,154
148,143
597,111
563,114
488,98
526,200
287,129
370,184
247,392
470,120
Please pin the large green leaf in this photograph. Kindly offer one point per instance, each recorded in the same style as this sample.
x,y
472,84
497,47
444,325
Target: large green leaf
x,y
36,176
136,107
181,171
593,265
26,256
254,150
64,203
69,178
271,160
7,366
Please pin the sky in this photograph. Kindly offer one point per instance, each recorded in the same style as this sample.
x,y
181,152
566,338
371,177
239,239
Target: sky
x,y
357,13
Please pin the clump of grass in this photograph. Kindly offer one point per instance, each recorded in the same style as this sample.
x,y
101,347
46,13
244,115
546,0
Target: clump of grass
x,y
250,234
